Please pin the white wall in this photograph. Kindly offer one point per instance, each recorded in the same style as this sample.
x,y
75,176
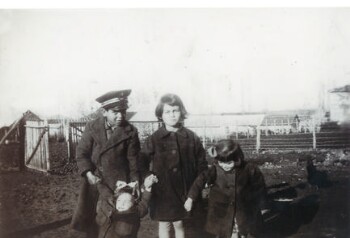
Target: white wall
x,y
340,107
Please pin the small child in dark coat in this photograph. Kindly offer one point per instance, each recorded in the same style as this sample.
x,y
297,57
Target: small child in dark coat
x,y
121,217
237,193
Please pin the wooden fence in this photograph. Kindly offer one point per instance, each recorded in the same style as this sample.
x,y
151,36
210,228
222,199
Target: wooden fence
x,y
37,146
257,141
294,141
314,140
76,130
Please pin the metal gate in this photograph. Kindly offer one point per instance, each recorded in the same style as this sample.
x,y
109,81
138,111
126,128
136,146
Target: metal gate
x,y
37,146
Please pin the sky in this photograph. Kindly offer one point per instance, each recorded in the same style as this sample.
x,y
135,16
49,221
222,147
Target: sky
x,y
56,62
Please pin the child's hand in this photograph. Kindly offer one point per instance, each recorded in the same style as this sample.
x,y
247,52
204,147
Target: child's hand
x,y
92,179
149,181
264,211
188,204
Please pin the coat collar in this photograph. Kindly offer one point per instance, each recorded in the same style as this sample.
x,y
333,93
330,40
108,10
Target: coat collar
x,y
119,134
98,128
163,132
242,165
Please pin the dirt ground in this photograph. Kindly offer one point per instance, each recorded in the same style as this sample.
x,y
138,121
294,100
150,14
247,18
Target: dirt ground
x,y
34,204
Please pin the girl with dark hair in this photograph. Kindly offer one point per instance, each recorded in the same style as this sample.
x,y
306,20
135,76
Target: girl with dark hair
x,y
171,100
237,193
176,156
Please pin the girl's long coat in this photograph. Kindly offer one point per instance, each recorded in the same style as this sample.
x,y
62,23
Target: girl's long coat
x,y
111,159
176,159
238,194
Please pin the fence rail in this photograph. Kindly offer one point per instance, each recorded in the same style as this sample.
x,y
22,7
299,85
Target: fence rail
x,y
256,141
292,141
76,130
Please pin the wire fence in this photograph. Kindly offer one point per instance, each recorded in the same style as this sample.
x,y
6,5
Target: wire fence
x,y
251,138
292,141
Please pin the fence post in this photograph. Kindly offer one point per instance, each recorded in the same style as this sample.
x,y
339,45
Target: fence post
x,y
46,125
204,143
70,142
258,139
313,135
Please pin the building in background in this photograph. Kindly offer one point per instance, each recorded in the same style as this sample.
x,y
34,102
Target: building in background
x,y
339,105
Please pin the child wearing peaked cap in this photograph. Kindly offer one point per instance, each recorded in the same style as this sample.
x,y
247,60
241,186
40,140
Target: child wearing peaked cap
x,y
237,193
115,99
107,152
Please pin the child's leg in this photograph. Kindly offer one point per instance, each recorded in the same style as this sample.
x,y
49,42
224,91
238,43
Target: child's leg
x,y
179,229
235,233
164,229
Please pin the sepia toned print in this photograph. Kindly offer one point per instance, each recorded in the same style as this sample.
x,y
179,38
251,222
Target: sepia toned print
x,y
79,90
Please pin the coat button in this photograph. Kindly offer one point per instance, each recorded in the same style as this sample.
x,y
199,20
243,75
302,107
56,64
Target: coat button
x,y
174,170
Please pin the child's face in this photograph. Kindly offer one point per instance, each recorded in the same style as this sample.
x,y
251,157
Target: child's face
x,y
226,166
115,117
124,202
171,115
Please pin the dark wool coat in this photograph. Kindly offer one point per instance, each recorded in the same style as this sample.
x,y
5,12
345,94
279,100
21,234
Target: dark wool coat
x,y
176,159
114,224
239,194
111,159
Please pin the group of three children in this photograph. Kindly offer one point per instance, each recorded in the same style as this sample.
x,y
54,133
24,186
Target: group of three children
x,y
175,171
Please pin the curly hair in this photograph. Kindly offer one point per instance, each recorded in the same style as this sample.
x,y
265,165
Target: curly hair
x,y
172,100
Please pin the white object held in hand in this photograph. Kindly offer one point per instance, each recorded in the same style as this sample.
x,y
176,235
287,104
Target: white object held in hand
x,y
121,184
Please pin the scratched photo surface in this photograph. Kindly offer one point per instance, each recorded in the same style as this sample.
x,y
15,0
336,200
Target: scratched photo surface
x,y
276,80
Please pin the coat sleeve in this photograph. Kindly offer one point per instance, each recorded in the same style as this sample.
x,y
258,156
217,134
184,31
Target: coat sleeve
x,y
104,191
258,189
202,163
133,156
207,176
146,156
84,152
142,206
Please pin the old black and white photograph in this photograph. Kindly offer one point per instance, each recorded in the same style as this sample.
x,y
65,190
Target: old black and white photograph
x,y
196,122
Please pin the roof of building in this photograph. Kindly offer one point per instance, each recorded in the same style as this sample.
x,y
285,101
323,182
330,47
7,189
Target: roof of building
x,y
99,112
285,117
143,116
344,89
27,116
30,116
224,119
